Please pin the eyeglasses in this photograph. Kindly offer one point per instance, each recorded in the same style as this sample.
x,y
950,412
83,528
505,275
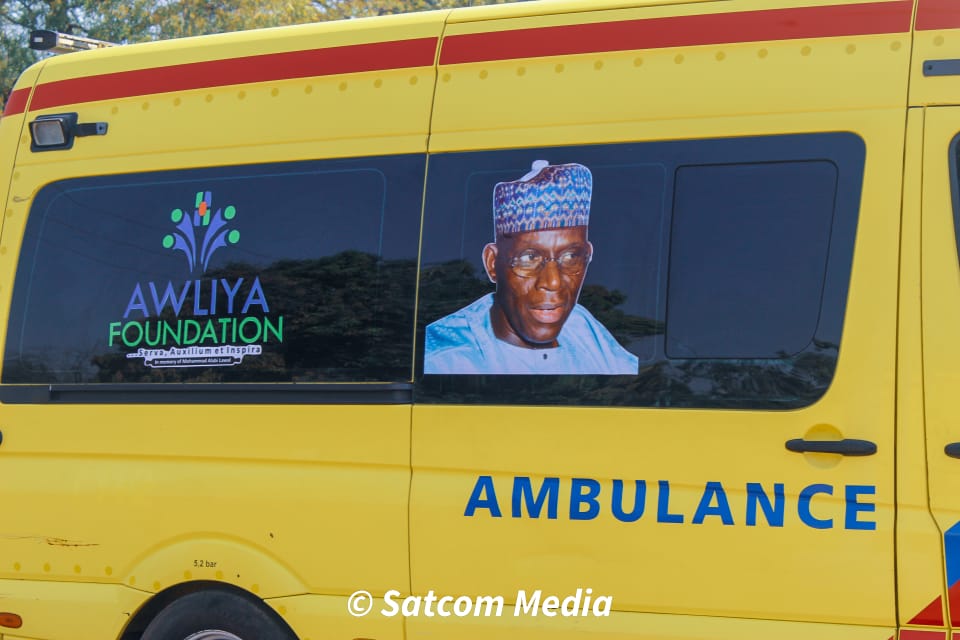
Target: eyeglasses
x,y
531,262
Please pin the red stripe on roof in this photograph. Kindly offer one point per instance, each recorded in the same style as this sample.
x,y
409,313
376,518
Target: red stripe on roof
x,y
683,31
377,56
938,14
17,102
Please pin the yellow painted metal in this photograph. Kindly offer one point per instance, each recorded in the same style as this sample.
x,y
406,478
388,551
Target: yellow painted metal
x,y
706,570
831,84
941,314
256,42
590,97
14,136
920,576
560,7
277,500
142,494
68,610
317,617
225,503
302,505
626,626
942,44
354,114
656,7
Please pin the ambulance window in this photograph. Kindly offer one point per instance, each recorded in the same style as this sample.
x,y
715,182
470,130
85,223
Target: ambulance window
x,y
717,277
748,253
298,272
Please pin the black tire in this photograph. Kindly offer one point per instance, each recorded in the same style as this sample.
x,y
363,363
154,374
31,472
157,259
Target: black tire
x,y
221,614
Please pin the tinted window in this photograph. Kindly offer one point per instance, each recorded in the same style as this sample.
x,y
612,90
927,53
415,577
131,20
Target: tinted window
x,y
720,267
274,273
748,255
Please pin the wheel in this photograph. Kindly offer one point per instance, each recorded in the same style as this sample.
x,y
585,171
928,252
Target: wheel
x,y
216,615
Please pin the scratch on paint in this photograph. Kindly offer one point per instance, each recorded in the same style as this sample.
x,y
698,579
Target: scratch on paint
x,y
53,541
63,542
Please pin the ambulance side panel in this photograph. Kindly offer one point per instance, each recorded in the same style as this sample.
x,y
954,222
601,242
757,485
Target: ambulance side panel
x,y
647,491
283,471
928,513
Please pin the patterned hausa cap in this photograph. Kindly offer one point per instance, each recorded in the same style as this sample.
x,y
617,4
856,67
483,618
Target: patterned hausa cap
x,y
549,197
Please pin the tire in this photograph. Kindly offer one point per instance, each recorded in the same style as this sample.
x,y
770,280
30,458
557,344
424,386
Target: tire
x,y
215,615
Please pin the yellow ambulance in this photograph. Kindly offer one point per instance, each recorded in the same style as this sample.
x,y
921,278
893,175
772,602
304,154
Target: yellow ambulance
x,y
559,319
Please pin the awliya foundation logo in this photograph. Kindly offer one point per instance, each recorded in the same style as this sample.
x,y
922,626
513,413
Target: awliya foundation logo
x,y
199,234
201,321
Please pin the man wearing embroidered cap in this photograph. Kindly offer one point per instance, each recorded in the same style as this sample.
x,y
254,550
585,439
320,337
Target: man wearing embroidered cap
x,y
532,324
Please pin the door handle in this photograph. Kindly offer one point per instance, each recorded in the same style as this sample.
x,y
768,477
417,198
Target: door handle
x,y
952,449
846,447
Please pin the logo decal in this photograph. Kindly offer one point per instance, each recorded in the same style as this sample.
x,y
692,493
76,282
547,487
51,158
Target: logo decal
x,y
197,322
200,234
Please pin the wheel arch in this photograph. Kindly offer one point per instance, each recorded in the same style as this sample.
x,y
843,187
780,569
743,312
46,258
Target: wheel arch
x,y
152,607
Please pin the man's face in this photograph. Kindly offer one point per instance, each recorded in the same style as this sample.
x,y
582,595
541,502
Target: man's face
x,y
538,276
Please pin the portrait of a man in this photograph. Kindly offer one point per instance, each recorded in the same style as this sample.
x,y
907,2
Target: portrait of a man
x,y
532,323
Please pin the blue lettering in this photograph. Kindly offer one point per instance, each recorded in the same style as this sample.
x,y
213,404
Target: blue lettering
x,y
169,296
578,497
639,501
663,504
231,293
722,508
854,507
534,497
484,487
523,494
772,512
803,506
213,297
256,297
197,311
137,302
